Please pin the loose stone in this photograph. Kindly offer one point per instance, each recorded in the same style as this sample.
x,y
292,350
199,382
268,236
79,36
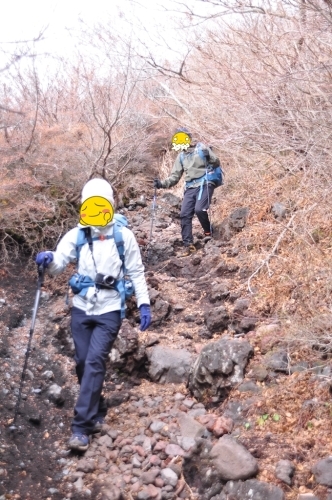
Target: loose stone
x,y
86,466
169,476
150,476
157,425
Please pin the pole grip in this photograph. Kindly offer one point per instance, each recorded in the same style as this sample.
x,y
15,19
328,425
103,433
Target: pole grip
x,y
41,273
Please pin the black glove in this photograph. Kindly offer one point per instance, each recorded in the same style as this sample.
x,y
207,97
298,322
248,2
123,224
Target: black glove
x,y
157,184
205,153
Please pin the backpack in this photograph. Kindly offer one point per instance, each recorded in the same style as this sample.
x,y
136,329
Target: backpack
x,y
124,285
212,174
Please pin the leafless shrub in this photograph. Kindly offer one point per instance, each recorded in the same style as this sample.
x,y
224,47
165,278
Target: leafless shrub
x,y
256,85
89,117
316,333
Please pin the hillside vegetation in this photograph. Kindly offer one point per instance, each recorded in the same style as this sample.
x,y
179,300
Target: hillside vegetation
x,y
253,79
256,84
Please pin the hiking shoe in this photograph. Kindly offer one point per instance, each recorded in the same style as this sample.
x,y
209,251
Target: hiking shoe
x,y
189,250
98,424
207,237
79,442
209,233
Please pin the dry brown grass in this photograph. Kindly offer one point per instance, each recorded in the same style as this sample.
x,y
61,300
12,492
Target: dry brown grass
x,y
289,260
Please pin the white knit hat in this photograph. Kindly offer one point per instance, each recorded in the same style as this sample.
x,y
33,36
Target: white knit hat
x,y
98,187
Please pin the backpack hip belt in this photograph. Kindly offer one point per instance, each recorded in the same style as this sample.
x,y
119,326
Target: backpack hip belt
x,y
200,181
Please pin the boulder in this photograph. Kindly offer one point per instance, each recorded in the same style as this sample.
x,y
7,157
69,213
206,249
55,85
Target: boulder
x,y
171,200
249,490
218,292
207,467
238,218
218,368
235,222
190,428
126,343
160,252
323,471
284,471
246,324
240,306
168,365
175,268
277,361
160,310
216,319
232,460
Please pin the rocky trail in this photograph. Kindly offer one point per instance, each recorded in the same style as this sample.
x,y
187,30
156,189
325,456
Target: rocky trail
x,y
210,403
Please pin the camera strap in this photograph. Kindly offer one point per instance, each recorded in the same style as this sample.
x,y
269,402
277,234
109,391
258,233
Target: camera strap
x,y
87,231
123,285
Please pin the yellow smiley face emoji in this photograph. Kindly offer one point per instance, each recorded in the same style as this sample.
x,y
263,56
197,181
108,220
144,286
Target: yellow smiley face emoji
x,y
180,141
96,211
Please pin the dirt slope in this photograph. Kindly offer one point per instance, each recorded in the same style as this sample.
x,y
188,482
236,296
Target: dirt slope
x,y
289,415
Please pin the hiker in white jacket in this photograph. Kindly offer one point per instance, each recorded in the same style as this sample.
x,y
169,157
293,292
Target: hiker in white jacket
x,y
98,306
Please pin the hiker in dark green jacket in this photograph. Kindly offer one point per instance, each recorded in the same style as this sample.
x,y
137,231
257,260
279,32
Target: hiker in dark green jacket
x,y
198,189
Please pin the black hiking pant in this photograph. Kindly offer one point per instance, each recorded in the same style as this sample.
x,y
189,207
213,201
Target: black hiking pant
x,y
93,338
191,205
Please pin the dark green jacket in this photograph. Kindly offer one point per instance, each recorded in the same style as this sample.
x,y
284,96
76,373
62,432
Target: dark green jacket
x,y
192,166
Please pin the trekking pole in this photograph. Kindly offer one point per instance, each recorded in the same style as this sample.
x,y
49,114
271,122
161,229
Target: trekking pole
x,y
41,271
152,219
208,196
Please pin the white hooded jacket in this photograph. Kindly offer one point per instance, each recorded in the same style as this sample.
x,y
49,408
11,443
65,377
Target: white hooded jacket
x,y
106,257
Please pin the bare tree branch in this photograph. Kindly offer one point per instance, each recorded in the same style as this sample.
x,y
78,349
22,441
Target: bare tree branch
x,y
10,110
266,261
36,109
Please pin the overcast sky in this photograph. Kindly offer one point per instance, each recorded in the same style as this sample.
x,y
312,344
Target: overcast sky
x,y
155,23
24,19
